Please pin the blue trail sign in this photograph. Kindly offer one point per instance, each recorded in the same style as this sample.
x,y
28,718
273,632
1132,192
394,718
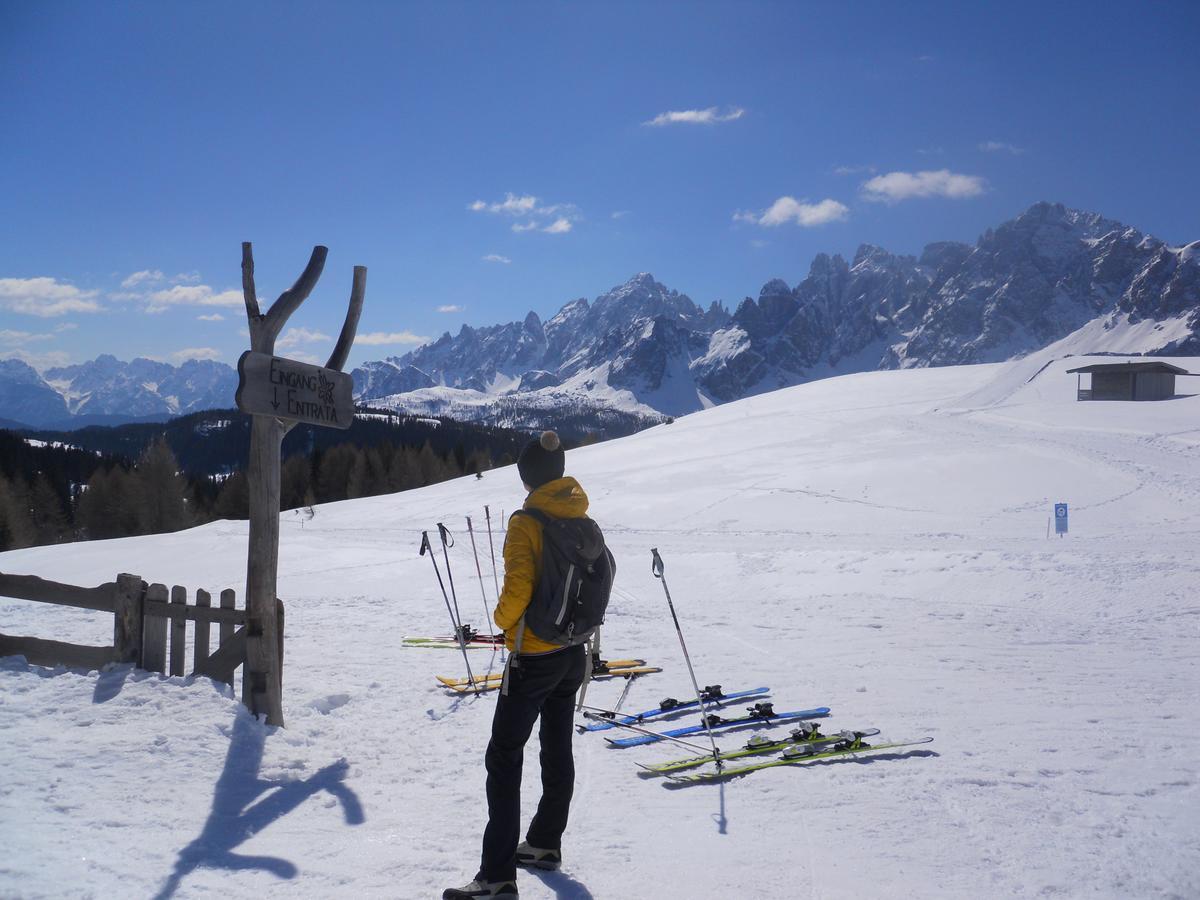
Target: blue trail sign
x,y
1060,518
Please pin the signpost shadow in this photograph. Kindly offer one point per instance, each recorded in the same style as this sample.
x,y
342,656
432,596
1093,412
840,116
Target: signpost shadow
x,y
244,804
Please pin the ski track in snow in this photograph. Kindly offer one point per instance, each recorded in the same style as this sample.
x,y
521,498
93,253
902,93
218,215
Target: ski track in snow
x,y
859,543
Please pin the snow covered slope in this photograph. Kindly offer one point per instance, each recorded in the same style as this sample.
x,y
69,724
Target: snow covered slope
x,y
875,543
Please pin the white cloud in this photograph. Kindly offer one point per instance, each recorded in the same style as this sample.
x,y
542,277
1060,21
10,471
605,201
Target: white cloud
x,y
378,338
896,186
536,214
931,151
196,353
65,326
854,170
789,209
511,205
39,361
212,317
710,116
497,258
45,297
191,295
294,337
620,214
450,308
19,338
186,278
146,276
1001,147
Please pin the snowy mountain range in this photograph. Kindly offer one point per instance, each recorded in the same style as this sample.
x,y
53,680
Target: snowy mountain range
x,y
1052,275
109,391
1048,274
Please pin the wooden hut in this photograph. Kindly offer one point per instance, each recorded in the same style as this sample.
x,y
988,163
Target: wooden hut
x,y
1127,381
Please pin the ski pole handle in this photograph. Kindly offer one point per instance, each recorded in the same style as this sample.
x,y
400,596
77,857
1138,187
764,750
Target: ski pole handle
x,y
425,545
447,537
657,566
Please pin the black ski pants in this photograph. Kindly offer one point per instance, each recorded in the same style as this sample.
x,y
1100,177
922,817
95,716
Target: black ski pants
x,y
542,685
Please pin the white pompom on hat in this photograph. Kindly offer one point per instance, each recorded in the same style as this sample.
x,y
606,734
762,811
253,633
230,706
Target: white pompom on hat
x,y
542,460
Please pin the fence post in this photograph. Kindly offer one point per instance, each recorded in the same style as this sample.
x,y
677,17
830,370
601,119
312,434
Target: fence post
x,y
279,632
228,601
178,630
200,648
127,619
154,634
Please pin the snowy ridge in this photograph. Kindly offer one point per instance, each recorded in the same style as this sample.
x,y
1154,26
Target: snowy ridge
x,y
1049,275
875,543
108,387
643,349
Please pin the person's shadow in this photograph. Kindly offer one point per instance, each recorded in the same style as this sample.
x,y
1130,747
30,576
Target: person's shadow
x,y
564,886
240,810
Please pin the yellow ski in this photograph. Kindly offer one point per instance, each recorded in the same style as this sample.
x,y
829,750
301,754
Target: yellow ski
x,y
617,668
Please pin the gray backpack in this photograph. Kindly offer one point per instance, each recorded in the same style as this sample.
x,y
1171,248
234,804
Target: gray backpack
x,y
571,596
577,571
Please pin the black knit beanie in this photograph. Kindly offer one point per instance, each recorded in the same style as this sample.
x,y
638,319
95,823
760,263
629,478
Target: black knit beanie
x,y
542,460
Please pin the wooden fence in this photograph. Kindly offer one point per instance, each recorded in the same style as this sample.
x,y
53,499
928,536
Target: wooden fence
x,y
148,620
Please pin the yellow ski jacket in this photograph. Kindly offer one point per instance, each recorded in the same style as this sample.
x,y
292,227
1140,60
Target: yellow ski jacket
x,y
562,498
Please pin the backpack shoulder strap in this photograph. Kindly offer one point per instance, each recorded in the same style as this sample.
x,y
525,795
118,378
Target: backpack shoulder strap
x,y
535,514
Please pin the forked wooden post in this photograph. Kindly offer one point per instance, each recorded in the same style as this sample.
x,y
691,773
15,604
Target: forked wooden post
x,y
262,678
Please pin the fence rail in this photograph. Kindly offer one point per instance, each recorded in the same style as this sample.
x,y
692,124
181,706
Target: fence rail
x,y
149,626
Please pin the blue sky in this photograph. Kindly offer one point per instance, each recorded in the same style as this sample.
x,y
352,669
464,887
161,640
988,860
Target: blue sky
x,y
485,159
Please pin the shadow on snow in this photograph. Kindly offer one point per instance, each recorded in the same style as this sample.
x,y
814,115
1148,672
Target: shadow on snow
x,y
244,804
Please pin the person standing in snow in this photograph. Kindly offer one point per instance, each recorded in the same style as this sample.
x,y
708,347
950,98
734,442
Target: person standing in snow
x,y
541,681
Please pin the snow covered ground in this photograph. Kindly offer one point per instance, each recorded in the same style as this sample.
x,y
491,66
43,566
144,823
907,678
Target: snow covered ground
x,y
875,543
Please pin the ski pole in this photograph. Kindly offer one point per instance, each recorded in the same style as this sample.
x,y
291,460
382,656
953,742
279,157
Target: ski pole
x,y
598,714
447,542
462,644
658,568
478,571
488,513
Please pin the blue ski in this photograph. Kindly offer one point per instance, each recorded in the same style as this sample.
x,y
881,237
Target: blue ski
x,y
759,714
602,721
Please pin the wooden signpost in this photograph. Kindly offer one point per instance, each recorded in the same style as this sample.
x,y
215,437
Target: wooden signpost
x,y
279,393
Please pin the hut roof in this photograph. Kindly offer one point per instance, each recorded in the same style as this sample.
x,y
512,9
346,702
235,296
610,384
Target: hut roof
x,y
1131,367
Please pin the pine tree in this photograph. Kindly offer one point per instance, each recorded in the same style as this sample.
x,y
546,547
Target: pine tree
x,y
46,510
163,501
402,471
295,480
233,501
126,502
16,525
432,468
358,478
98,513
377,469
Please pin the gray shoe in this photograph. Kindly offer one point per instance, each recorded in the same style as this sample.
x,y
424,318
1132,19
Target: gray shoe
x,y
538,858
494,890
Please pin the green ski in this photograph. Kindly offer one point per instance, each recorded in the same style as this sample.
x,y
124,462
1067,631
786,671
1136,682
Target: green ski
x,y
808,734
798,754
